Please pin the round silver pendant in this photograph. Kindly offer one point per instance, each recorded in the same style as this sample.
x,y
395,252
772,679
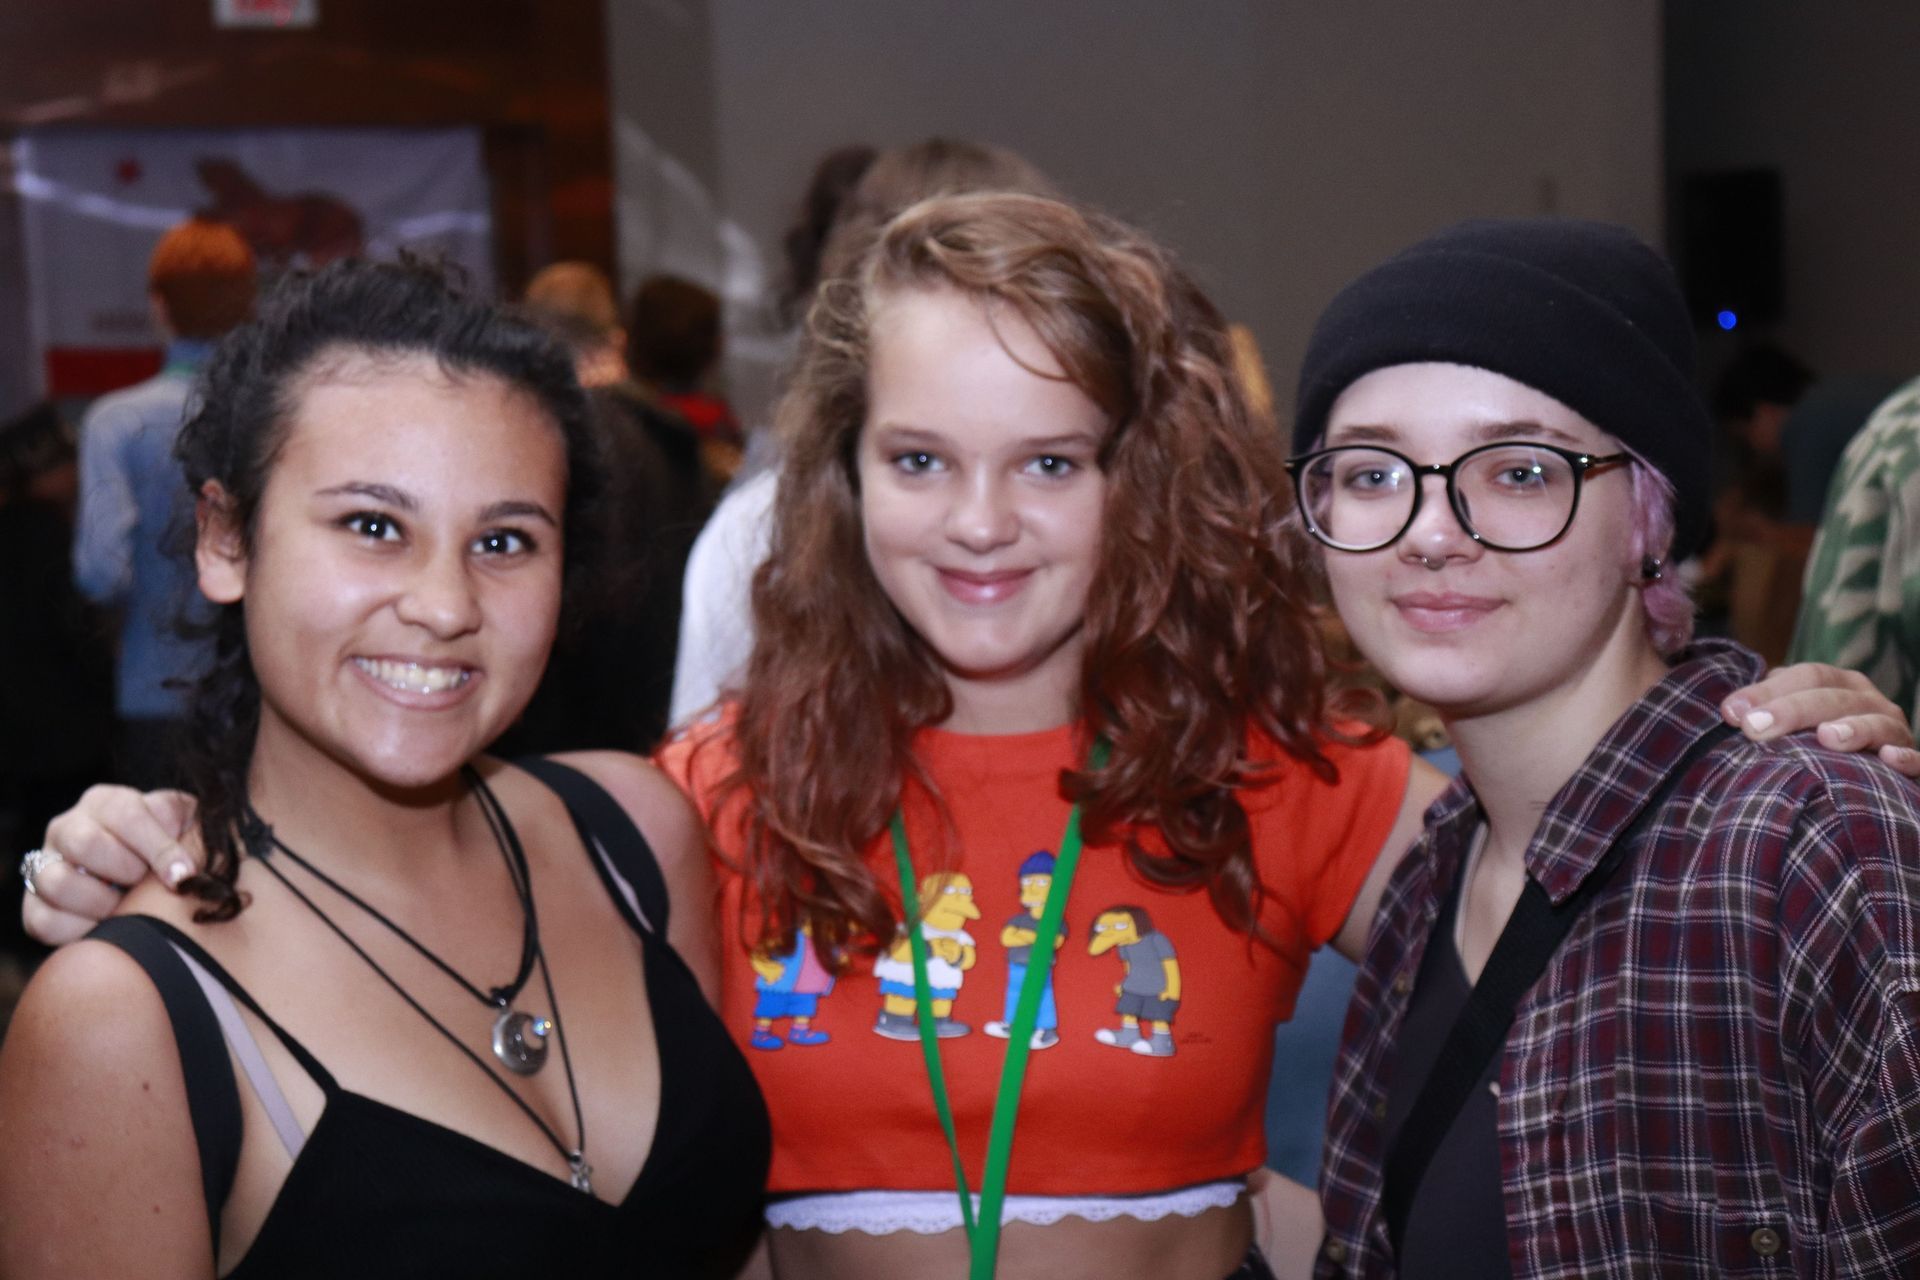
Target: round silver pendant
x,y
520,1041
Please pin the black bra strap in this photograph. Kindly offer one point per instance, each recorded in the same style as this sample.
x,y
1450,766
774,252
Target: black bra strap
x,y
603,823
213,1101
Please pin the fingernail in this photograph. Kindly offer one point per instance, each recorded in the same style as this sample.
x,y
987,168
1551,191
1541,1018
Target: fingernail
x,y
1737,707
1842,733
1759,721
176,872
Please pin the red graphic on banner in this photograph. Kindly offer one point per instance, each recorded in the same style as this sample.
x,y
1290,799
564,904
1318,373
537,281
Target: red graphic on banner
x,y
307,228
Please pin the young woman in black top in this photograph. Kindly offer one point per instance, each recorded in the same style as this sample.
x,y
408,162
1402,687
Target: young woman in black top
x,y
420,1014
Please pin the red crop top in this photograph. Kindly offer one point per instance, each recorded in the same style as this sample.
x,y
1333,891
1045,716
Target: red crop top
x,y
1158,1033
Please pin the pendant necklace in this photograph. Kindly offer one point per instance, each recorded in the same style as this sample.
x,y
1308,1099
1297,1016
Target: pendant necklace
x,y
519,1039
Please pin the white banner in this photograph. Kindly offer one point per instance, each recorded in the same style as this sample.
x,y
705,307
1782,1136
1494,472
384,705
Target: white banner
x,y
96,201
282,15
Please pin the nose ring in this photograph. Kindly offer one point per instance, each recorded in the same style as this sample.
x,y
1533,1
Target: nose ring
x,y
1433,564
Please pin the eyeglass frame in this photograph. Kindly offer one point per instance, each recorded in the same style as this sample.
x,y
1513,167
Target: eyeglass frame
x,y
1581,463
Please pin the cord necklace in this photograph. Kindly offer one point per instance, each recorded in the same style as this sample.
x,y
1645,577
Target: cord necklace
x,y
518,1038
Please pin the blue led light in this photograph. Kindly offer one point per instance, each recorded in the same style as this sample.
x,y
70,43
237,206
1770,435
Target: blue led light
x,y
1728,320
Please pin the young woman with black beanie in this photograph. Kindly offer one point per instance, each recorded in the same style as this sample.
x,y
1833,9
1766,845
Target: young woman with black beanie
x,y
1642,999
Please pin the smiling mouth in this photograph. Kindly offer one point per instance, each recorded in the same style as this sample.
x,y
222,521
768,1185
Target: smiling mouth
x,y
983,588
414,677
1439,613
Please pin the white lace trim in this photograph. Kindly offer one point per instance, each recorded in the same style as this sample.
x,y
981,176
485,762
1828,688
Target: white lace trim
x,y
879,1213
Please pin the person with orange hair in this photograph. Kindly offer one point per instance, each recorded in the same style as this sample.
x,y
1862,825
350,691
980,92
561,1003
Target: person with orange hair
x,y
201,282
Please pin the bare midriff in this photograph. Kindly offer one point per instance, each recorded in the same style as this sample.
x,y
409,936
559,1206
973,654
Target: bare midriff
x,y
1204,1247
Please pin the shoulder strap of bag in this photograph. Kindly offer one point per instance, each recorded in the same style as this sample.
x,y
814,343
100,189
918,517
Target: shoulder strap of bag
x,y
1531,936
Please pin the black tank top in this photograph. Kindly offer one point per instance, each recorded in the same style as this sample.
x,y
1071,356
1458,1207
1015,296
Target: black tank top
x,y
376,1192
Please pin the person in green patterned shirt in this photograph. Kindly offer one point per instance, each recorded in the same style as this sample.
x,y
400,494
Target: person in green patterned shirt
x,y
1861,607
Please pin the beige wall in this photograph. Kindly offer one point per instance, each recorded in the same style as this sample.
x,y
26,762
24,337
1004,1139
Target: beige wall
x,y
1280,145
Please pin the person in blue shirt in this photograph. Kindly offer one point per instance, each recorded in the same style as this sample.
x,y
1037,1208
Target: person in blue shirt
x,y
201,279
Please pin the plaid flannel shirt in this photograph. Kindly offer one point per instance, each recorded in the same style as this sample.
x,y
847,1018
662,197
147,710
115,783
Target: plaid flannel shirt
x,y
1719,1071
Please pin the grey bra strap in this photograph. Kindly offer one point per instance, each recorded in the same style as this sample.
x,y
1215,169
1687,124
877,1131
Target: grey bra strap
x,y
622,884
240,1039
622,853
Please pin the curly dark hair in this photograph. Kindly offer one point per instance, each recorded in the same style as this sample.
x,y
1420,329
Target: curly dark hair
x,y
247,399
1200,614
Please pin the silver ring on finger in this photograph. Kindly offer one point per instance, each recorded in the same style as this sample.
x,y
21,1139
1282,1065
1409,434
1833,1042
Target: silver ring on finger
x,y
33,863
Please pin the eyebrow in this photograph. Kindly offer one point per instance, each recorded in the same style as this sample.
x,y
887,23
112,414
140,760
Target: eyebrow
x,y
516,509
506,509
378,492
1516,429
1358,433
1526,429
902,433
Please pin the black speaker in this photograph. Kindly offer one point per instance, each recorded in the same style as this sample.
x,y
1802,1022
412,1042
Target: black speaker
x,y
1729,247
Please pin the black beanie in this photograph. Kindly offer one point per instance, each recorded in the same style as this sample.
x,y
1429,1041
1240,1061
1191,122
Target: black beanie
x,y
1582,311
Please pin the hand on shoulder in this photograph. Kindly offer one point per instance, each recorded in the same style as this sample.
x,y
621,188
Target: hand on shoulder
x,y
1843,707
110,839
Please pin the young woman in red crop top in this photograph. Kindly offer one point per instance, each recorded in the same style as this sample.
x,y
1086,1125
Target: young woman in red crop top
x,y
1025,507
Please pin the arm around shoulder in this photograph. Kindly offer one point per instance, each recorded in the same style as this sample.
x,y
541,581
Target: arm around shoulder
x,y
102,1172
667,819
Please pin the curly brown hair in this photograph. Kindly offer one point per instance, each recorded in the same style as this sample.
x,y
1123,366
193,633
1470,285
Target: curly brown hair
x,y
1199,628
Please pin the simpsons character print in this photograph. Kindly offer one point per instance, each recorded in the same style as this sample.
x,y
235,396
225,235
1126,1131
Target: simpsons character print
x,y
794,990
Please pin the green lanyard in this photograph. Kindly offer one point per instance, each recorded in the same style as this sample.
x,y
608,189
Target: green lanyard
x,y
983,1233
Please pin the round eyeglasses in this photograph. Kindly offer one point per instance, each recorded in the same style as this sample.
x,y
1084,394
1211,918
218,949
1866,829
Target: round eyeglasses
x,y
1514,496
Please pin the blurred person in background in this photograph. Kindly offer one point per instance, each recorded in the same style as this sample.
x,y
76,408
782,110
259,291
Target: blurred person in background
x,y
609,682
1861,606
1749,577
1753,399
1785,428
201,280
674,345
57,699
835,177
1817,432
